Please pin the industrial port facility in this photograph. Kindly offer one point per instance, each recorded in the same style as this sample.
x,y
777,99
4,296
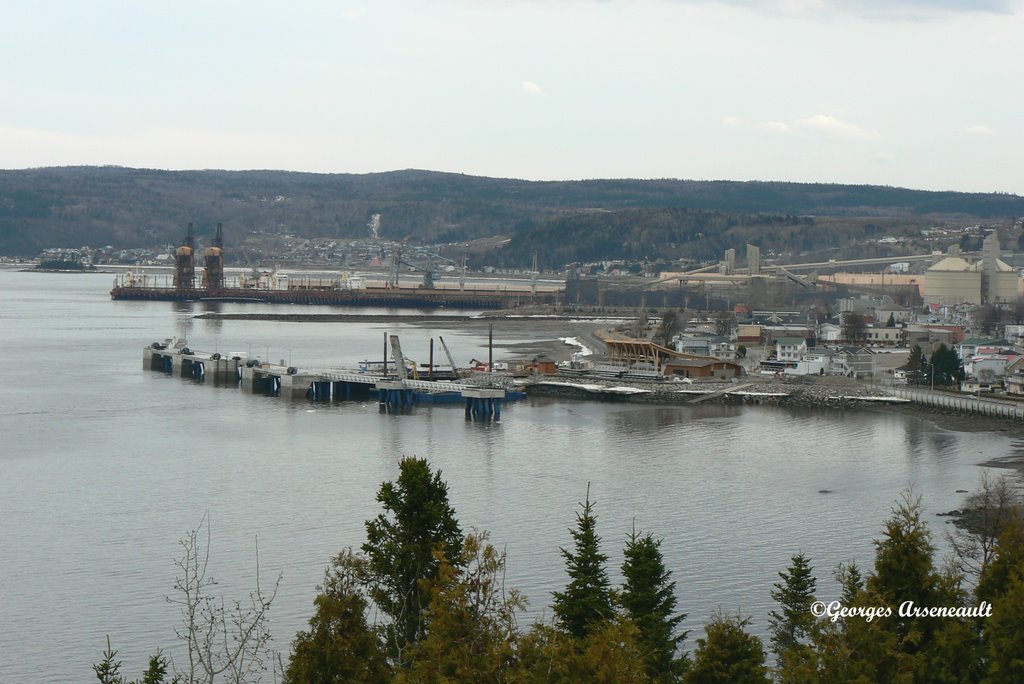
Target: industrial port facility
x,y
344,290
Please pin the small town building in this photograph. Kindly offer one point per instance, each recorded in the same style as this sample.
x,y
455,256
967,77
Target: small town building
x,y
989,366
882,336
702,368
706,345
830,332
749,334
790,348
544,365
975,386
970,348
854,362
774,332
899,314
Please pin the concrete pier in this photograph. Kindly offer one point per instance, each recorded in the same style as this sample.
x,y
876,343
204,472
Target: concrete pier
x,y
201,366
395,395
392,394
483,404
256,380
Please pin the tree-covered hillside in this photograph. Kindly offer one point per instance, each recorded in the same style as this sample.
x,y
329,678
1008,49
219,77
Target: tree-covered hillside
x,y
96,206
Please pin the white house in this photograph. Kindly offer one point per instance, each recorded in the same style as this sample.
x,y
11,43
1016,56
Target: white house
x,y
988,366
830,332
790,348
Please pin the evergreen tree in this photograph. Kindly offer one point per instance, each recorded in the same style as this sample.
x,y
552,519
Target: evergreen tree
x,y
1007,565
1002,585
904,569
587,599
850,580
400,545
608,655
108,671
339,646
648,598
947,366
1005,635
795,593
891,323
728,655
916,366
472,634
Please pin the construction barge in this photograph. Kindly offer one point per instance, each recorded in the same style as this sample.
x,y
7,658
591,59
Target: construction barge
x,y
345,290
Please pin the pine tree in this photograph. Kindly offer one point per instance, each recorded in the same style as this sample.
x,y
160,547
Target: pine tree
x,y
850,579
339,646
1002,585
472,634
948,367
108,671
916,365
587,599
1004,632
648,598
1008,563
904,569
795,594
400,545
728,655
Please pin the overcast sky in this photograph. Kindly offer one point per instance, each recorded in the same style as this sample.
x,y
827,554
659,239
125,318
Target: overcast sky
x,y
916,93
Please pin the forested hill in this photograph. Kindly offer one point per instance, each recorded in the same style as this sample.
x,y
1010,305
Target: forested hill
x,y
97,206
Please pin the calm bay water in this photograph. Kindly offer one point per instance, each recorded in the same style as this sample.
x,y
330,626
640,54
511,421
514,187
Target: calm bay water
x,y
103,467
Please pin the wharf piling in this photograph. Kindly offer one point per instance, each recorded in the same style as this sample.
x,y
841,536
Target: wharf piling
x,y
483,404
395,395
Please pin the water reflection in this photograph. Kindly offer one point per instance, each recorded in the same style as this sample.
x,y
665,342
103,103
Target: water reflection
x,y
927,442
212,326
643,420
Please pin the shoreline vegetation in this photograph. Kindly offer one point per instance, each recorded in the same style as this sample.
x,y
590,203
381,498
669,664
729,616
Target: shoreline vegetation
x,y
421,600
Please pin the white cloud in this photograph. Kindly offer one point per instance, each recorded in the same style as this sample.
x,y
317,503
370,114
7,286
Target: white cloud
x,y
732,122
774,127
836,128
979,129
531,88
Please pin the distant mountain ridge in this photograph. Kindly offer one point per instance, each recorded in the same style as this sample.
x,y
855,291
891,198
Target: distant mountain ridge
x,y
125,207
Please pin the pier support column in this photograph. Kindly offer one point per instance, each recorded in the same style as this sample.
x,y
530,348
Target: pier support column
x,y
255,380
222,371
297,386
483,404
394,396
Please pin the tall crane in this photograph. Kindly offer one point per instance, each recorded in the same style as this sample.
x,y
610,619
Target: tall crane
x,y
396,268
396,351
447,353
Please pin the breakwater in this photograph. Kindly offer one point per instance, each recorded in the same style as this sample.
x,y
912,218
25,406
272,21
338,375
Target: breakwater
x,y
827,393
750,391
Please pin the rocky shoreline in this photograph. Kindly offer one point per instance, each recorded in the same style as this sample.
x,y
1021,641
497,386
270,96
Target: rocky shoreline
x,y
826,393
